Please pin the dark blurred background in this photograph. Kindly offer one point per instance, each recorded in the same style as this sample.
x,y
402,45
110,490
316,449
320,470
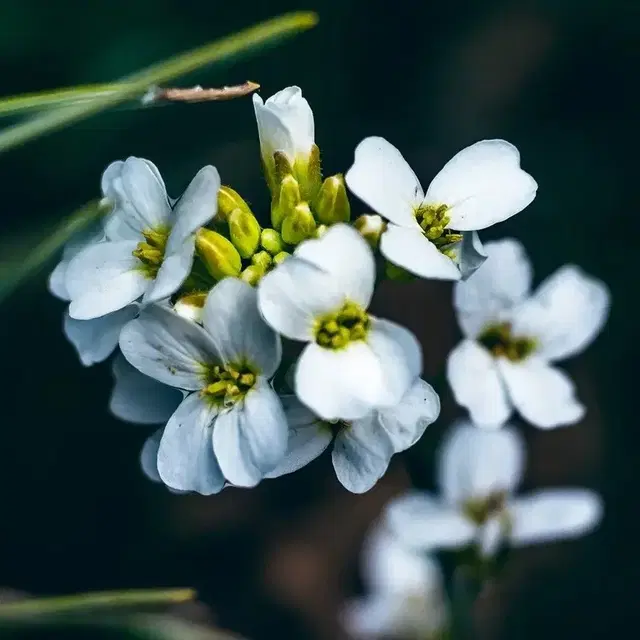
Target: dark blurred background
x,y
558,78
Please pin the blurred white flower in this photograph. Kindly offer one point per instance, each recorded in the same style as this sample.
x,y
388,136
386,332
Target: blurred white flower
x,y
150,245
362,447
285,124
354,362
478,472
407,599
480,186
512,336
231,424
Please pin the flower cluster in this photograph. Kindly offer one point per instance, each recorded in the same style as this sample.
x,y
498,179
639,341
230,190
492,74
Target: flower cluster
x,y
247,338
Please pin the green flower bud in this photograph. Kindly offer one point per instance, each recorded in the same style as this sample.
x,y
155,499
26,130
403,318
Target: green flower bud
x,y
287,200
309,174
271,241
228,201
370,227
282,166
281,257
252,274
320,230
244,230
190,306
217,253
262,259
332,204
298,225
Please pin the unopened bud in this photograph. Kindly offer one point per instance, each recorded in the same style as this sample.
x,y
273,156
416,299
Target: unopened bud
x,y
332,204
252,274
321,229
281,257
271,241
191,306
309,174
370,227
287,200
218,254
298,225
282,166
228,201
244,230
262,259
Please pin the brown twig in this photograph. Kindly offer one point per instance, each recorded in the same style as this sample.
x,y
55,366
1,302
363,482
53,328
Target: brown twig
x,y
199,94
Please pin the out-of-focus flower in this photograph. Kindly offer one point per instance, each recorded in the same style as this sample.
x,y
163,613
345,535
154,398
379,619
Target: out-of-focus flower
x,y
150,245
353,362
480,186
231,424
513,336
407,598
478,472
362,447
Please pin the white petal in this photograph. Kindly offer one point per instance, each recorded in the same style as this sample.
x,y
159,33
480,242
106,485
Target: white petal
x,y
174,270
473,463
185,458
308,437
139,399
232,319
491,536
381,178
406,422
375,616
476,384
471,254
56,282
409,249
399,357
544,395
554,514
168,348
422,522
250,439
112,173
294,294
389,566
149,456
361,454
95,340
565,314
483,184
104,278
503,281
346,255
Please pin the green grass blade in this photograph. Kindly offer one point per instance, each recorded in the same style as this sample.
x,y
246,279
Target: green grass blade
x,y
84,603
221,51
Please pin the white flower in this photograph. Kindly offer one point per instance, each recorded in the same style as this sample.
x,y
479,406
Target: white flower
x,y
480,186
285,124
363,447
512,336
407,599
231,424
354,362
478,472
150,246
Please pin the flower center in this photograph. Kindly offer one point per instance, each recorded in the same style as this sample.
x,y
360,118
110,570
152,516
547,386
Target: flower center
x,y
228,384
498,339
337,329
479,510
150,252
433,220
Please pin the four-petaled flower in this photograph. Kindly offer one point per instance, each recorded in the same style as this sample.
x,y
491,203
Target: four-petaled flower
x,y
512,336
149,245
231,425
478,473
353,362
480,186
362,447
406,597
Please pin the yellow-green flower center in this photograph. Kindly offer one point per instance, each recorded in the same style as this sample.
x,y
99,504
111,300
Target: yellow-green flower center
x,y
433,220
480,510
228,384
150,252
337,329
498,339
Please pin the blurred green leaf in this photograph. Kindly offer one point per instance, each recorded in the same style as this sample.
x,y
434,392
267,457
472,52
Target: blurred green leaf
x,y
221,51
